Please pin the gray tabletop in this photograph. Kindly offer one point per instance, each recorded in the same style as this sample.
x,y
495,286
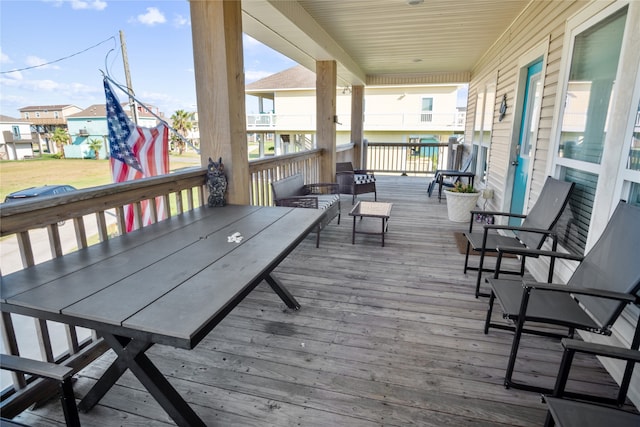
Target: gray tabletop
x,y
169,283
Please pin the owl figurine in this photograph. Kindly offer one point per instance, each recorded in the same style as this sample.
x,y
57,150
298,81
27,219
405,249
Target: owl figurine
x,y
217,183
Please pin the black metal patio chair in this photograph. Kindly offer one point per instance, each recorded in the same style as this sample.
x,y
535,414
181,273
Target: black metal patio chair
x,y
565,412
604,282
536,226
449,177
355,181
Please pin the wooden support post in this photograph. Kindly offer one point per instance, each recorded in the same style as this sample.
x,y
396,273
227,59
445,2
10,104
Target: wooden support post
x,y
357,124
219,72
326,81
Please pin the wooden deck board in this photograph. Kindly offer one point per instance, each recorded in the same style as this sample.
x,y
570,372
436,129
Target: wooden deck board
x,y
385,336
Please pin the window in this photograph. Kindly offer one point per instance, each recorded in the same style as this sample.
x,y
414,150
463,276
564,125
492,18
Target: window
x,y
37,114
16,132
585,119
26,115
427,110
483,124
56,115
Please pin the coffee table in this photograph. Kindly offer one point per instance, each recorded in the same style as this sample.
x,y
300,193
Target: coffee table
x,y
370,210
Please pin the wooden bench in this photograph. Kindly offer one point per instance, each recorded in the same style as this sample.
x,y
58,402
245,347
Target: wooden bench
x,y
61,374
293,192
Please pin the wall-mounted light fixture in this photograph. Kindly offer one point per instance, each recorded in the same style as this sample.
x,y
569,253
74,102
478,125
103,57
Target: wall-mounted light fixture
x,y
503,107
346,90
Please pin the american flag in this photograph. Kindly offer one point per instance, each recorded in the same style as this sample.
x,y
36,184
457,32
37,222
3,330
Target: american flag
x,y
136,152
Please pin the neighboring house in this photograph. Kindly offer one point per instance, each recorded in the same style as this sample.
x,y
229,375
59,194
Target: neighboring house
x,y
16,139
287,105
46,118
91,123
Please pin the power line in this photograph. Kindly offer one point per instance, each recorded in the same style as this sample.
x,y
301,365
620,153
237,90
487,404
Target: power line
x,y
58,60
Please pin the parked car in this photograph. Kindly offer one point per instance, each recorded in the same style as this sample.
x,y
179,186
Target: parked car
x,y
45,190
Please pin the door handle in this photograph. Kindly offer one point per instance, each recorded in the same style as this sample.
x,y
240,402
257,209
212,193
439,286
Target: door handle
x,y
515,163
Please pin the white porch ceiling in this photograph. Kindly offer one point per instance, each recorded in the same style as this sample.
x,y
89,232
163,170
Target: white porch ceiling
x,y
383,41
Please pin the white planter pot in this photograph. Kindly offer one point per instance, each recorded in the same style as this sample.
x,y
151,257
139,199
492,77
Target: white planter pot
x,y
460,204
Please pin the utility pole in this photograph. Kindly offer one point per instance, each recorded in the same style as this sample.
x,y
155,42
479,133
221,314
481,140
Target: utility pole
x,y
127,75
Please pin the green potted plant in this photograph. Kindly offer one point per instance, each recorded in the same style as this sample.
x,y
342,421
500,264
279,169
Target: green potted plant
x,y
461,199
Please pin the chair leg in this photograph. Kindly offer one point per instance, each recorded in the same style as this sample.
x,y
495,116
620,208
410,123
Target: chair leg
x,y
68,401
487,321
466,258
480,266
516,337
318,237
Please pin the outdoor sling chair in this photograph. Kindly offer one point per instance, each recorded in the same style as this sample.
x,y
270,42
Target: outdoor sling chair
x,y
604,282
535,228
449,177
565,412
354,182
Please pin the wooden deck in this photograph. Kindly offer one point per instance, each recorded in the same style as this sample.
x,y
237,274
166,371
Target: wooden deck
x,y
386,336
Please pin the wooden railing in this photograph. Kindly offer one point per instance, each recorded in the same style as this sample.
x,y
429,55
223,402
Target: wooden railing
x,y
263,172
407,158
100,209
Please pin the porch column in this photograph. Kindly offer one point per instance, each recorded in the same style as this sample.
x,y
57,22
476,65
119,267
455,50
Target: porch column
x,y
216,28
357,125
326,82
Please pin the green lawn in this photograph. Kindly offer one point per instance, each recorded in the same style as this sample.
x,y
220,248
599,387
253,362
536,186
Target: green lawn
x,y
81,173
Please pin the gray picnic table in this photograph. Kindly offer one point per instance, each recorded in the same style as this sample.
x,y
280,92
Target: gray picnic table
x,y
170,283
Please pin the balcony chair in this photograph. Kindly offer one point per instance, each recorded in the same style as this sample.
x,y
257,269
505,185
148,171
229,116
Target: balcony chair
x,y
355,181
535,228
604,282
565,412
449,177
48,371
293,192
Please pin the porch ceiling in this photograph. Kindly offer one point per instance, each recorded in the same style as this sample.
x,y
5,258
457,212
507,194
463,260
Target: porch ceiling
x,y
383,41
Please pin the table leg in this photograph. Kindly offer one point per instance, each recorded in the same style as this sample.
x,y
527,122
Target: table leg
x,y
440,182
131,356
282,292
353,232
383,231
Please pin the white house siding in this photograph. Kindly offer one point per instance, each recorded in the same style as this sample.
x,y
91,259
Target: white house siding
x,y
533,28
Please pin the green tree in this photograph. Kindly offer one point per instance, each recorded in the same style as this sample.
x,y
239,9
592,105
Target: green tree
x,y
60,137
182,121
95,144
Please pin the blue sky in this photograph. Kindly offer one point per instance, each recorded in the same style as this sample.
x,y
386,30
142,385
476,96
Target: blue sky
x,y
159,48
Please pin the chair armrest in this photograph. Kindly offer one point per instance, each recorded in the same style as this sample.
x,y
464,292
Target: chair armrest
x,y
517,250
316,188
363,172
514,215
35,367
601,350
517,228
298,202
599,293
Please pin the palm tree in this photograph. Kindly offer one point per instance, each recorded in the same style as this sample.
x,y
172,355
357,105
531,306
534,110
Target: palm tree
x,y
183,123
95,144
60,137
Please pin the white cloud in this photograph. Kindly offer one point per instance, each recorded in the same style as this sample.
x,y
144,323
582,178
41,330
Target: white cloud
x,y
34,61
81,4
152,17
4,58
95,4
252,76
180,21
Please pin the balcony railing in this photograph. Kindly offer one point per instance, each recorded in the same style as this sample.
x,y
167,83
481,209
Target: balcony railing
x,y
387,122
406,158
